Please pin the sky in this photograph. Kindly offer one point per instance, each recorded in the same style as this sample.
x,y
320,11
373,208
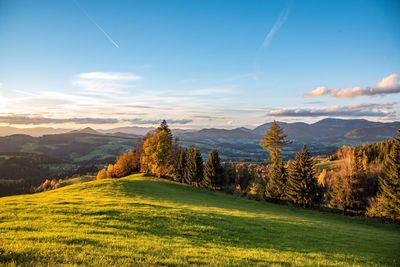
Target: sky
x,y
197,64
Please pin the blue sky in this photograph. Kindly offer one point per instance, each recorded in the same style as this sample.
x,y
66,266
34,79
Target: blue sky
x,y
198,64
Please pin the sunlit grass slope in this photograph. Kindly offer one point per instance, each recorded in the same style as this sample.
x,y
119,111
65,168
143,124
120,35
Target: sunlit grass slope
x,y
146,221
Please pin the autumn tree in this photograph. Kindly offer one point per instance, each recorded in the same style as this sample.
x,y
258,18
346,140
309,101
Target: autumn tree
x,y
213,172
125,164
302,188
274,141
102,174
156,151
194,166
346,192
110,171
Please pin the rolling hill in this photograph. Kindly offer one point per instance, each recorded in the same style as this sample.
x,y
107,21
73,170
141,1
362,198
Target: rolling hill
x,y
77,147
240,144
147,221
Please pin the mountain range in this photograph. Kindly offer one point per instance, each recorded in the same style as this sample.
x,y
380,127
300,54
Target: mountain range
x,y
326,129
322,137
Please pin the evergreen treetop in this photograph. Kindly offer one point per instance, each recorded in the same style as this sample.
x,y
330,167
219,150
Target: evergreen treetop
x,y
213,172
389,183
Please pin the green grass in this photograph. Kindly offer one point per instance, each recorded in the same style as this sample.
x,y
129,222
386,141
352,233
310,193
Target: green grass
x,y
146,221
77,180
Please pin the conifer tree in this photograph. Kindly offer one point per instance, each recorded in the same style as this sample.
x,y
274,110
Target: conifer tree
x,y
213,172
277,180
164,127
243,177
229,176
180,166
302,188
274,141
194,166
389,183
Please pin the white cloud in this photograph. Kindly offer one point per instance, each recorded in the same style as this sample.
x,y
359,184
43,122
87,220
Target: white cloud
x,y
105,82
358,110
109,76
319,91
388,85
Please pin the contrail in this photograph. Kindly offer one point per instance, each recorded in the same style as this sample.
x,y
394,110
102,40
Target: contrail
x,y
268,38
278,24
97,25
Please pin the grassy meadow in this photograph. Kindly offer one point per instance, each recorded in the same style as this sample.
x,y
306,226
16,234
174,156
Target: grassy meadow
x,y
147,221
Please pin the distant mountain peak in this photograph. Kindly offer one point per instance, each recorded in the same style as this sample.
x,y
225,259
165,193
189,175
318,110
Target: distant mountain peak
x,y
87,130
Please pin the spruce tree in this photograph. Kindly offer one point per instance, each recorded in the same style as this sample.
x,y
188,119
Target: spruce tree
x,y
164,127
244,177
180,166
213,172
194,166
274,141
277,179
389,183
302,188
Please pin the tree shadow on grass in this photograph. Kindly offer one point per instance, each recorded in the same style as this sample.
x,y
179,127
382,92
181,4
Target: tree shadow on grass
x,y
257,232
9,257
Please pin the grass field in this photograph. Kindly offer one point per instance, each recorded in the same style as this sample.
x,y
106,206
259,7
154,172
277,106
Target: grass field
x,y
146,221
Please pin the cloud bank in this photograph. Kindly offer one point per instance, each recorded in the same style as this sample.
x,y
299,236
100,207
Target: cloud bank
x,y
388,85
35,120
141,121
359,110
42,120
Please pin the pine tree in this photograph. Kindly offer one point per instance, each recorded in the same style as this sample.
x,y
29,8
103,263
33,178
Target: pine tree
x,y
277,180
243,177
274,141
194,166
389,184
302,188
181,165
213,172
164,127
229,176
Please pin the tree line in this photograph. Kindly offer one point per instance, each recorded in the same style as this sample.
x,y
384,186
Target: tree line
x,y
362,180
